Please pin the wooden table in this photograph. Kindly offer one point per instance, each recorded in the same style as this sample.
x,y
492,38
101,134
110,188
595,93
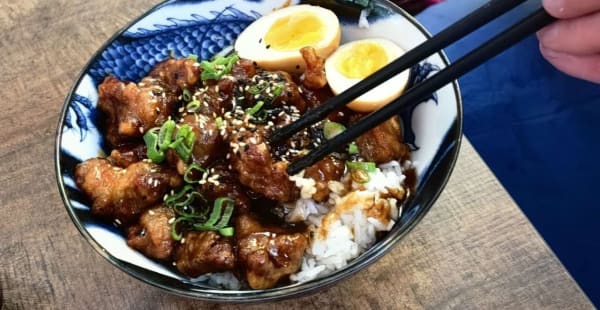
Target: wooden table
x,y
474,250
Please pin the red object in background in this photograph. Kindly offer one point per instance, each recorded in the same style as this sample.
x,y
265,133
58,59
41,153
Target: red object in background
x,y
415,6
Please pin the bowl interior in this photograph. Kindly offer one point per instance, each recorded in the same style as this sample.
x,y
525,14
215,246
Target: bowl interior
x,y
206,28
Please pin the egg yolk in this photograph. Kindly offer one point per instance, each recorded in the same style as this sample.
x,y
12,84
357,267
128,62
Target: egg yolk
x,y
361,60
295,32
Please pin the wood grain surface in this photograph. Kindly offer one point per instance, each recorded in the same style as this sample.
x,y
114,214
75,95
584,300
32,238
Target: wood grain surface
x,y
474,250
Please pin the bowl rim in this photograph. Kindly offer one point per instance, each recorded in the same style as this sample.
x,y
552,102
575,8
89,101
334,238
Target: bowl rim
x,y
279,293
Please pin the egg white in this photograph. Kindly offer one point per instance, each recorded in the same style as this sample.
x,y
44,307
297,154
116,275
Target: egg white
x,y
376,97
251,44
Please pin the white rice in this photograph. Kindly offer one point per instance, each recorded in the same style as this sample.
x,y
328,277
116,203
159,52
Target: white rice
x,y
346,225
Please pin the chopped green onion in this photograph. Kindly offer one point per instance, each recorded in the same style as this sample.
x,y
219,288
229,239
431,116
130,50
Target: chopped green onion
x,y
227,213
219,122
184,142
187,95
332,129
353,148
181,206
193,57
165,134
216,221
174,234
190,169
362,165
226,232
158,140
255,108
193,106
257,89
153,150
278,90
215,69
174,199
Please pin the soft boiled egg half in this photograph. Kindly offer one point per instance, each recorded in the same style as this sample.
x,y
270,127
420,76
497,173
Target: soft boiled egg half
x,y
356,60
274,40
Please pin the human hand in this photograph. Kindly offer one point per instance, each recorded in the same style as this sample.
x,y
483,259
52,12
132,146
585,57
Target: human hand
x,y
572,44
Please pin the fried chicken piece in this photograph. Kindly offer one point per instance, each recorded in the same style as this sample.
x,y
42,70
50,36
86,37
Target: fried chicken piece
x,y
204,252
132,109
314,76
128,154
327,169
267,254
209,145
177,74
152,234
243,69
215,98
122,194
251,158
383,143
228,186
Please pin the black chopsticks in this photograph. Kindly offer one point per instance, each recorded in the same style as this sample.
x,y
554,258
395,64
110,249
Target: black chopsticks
x,y
456,31
473,21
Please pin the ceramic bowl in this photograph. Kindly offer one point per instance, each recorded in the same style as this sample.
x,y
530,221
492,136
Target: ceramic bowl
x,y
205,28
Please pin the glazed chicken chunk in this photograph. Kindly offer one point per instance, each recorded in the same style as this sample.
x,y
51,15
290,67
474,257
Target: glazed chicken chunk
x,y
327,169
132,109
252,160
122,194
177,74
267,254
127,155
204,252
383,143
152,234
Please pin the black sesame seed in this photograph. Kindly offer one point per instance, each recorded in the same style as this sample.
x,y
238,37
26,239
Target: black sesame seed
x,y
269,46
260,40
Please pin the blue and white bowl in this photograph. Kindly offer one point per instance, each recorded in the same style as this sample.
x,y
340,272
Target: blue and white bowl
x,y
205,28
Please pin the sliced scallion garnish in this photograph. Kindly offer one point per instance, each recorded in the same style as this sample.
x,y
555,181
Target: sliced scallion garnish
x,y
184,142
215,69
353,148
193,57
154,153
190,170
219,122
257,89
332,129
174,234
227,231
362,165
277,90
193,106
187,95
255,108
218,221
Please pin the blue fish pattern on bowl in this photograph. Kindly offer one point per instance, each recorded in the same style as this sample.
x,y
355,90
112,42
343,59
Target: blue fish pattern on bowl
x,y
206,28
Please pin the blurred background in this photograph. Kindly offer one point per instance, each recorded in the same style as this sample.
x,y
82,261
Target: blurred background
x,y
537,129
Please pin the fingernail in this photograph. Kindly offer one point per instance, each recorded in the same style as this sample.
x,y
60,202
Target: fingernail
x,y
556,8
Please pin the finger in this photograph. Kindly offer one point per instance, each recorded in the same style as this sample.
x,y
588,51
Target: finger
x,y
576,36
571,8
583,67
